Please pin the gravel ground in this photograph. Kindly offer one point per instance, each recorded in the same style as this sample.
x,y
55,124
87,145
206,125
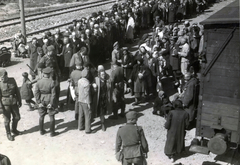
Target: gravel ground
x,y
73,147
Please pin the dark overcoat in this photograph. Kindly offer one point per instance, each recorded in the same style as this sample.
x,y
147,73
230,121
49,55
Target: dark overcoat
x,y
177,122
33,55
188,97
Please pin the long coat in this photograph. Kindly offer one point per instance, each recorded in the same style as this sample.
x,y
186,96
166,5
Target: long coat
x,y
67,53
32,52
177,122
188,98
97,96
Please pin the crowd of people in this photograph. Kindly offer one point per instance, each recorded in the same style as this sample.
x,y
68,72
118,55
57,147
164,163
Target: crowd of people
x,y
163,69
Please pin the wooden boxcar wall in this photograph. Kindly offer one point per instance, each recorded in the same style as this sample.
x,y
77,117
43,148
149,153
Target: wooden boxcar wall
x,y
219,101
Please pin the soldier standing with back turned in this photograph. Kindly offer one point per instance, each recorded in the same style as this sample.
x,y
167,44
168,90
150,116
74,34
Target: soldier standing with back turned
x,y
45,95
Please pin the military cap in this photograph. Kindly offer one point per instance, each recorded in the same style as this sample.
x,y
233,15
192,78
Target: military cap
x,y
48,33
131,115
3,72
50,48
41,65
25,74
47,70
115,44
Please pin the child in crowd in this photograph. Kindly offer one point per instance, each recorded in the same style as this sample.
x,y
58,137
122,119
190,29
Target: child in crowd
x,y
27,93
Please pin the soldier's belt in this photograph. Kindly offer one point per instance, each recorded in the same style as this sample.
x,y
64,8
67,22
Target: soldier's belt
x,y
131,145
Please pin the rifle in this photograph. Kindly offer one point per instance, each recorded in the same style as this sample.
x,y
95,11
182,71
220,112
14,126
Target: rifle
x,y
31,69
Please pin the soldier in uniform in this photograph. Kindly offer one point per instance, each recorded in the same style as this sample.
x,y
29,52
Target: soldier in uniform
x,y
132,140
10,102
45,95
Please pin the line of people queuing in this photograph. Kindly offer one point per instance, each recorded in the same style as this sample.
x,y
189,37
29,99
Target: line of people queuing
x,y
164,67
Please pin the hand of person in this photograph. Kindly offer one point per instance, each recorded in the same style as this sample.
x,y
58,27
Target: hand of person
x,y
19,104
40,105
49,106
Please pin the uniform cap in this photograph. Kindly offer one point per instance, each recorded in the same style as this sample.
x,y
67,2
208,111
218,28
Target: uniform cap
x,y
50,48
2,72
100,68
41,65
131,115
47,70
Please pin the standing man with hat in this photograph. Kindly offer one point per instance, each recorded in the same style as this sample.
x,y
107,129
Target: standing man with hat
x,y
116,53
10,102
45,95
132,140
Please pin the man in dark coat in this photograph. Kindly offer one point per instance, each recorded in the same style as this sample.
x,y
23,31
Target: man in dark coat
x,y
10,102
132,140
45,95
33,55
177,122
117,79
189,95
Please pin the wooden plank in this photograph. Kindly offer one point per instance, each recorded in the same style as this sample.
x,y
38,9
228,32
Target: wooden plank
x,y
222,82
222,65
219,99
220,112
210,117
220,35
226,91
232,57
224,72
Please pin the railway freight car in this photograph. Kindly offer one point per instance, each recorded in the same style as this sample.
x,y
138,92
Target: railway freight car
x,y
218,117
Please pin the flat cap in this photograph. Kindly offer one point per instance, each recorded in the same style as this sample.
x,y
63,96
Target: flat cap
x,y
47,70
131,115
3,72
50,48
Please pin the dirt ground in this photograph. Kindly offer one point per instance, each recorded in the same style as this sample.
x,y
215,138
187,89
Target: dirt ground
x,y
73,147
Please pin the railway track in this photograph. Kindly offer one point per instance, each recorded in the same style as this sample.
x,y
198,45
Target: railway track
x,y
50,13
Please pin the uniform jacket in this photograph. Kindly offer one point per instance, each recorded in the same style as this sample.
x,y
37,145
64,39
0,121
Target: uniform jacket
x,y
177,122
129,137
9,88
45,91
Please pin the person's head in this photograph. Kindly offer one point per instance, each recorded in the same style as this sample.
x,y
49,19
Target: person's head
x,y
3,75
102,74
25,75
161,94
124,50
87,66
50,50
40,51
74,35
87,32
131,117
65,40
83,50
116,45
56,36
187,76
46,72
34,40
177,104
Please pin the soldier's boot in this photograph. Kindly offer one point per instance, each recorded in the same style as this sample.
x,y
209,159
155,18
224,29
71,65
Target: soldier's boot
x,y
103,123
14,127
52,127
9,136
41,126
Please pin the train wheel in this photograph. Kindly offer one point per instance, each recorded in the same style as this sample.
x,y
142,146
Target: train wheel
x,y
218,144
